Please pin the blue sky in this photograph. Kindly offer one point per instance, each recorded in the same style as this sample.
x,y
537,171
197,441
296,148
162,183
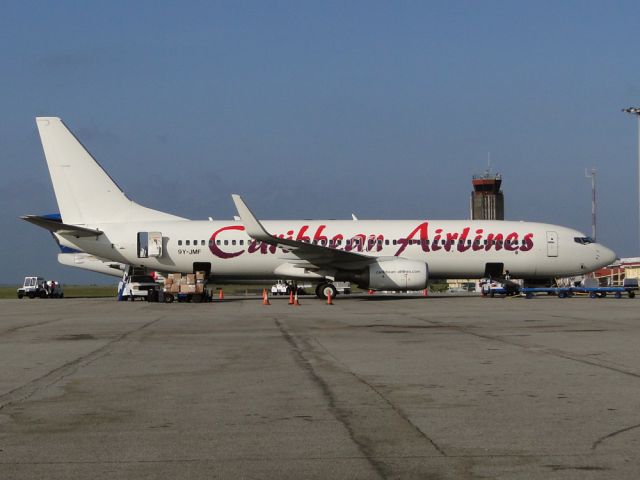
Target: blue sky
x,y
318,109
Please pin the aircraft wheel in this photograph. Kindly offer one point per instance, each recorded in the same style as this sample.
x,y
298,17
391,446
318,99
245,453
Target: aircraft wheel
x,y
329,288
323,290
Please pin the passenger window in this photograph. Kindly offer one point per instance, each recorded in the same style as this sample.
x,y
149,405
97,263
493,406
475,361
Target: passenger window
x,y
241,242
226,242
187,242
233,242
179,242
218,242
386,242
395,242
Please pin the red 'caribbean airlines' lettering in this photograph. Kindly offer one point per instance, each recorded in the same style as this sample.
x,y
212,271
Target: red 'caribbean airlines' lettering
x,y
447,241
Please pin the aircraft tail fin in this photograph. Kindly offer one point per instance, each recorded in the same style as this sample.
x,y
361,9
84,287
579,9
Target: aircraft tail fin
x,y
85,193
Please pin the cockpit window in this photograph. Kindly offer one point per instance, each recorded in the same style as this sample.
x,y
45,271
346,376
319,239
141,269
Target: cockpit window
x,y
583,240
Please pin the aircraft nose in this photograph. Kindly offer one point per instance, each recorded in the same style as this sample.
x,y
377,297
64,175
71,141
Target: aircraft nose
x,y
605,256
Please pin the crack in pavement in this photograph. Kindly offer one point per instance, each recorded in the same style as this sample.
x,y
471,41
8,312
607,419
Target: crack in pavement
x,y
331,400
26,391
384,399
379,429
533,348
597,443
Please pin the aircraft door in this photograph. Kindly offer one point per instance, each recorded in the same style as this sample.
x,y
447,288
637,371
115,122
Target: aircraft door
x,y
149,244
552,244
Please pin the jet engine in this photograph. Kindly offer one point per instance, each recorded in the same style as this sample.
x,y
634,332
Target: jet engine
x,y
400,274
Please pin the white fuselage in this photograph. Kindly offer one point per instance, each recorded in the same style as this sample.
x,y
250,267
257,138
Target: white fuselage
x,y
450,248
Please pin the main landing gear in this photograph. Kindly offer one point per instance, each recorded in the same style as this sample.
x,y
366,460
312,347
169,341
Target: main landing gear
x,y
324,289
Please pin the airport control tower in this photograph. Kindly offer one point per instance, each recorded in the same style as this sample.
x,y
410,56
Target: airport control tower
x,y
487,200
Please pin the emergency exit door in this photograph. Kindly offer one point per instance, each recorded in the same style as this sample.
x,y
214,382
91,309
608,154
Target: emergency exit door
x,y
552,244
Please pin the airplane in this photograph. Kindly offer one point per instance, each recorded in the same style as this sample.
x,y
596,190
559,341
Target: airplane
x,y
97,217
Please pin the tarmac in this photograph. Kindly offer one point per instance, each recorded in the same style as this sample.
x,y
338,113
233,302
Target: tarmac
x,y
371,387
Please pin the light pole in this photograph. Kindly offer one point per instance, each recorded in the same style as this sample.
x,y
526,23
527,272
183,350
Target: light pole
x,y
636,111
592,175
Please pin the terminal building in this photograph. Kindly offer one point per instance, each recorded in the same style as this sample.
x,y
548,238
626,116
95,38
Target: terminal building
x,y
487,200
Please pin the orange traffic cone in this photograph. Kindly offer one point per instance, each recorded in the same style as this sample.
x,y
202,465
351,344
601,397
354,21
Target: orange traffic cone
x,y
329,299
221,295
370,292
265,297
295,300
291,302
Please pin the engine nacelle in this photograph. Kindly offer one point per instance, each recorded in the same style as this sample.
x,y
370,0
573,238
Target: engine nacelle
x,y
397,274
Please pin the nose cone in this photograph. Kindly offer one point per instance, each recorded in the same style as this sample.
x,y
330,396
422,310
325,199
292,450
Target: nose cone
x,y
604,256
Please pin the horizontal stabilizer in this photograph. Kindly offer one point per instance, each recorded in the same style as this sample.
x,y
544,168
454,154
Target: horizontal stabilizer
x,y
61,228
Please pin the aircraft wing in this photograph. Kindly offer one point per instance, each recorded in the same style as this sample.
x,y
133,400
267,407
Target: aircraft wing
x,y
318,255
61,228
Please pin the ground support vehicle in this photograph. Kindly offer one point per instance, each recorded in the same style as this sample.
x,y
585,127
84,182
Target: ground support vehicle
x,y
280,288
54,289
601,292
593,292
39,287
285,287
137,286
564,292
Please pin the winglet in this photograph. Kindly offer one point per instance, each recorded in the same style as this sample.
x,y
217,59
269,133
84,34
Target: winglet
x,y
251,224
